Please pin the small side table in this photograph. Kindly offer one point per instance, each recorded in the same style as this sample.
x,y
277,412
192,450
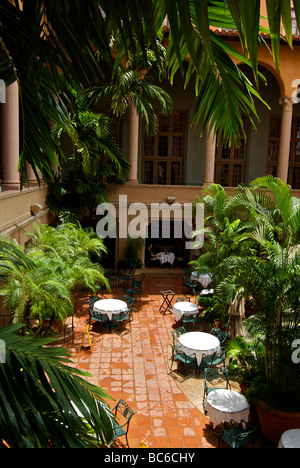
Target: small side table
x,y
167,303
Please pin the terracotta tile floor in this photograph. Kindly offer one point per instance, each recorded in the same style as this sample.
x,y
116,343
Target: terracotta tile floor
x,y
134,366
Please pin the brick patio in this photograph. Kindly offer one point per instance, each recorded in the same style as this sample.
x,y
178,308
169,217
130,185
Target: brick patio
x,y
134,366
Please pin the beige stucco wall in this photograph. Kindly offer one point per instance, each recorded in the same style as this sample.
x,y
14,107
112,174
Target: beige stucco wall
x,y
15,212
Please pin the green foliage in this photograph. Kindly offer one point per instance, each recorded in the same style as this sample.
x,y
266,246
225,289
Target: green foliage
x,y
44,401
56,263
246,358
271,278
132,260
213,308
223,230
82,183
39,39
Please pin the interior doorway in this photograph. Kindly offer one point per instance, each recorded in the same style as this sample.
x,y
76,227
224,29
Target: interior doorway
x,y
167,237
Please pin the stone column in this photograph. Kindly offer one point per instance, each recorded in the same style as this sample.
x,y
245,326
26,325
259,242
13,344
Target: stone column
x,y
32,180
133,145
285,138
210,156
10,138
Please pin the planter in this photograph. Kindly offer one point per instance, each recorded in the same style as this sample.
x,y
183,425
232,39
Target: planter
x,y
275,422
217,324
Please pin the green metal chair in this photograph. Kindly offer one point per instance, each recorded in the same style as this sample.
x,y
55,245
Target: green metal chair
x,y
121,318
128,299
215,379
136,287
112,276
182,299
214,360
191,319
92,300
188,284
176,334
183,358
97,317
239,435
123,414
126,277
220,334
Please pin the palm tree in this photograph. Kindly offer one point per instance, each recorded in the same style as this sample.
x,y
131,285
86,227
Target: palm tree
x,y
11,254
97,156
39,38
272,277
68,250
56,264
133,87
36,292
44,401
223,230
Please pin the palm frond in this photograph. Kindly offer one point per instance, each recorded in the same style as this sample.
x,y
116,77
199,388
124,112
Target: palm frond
x,y
44,401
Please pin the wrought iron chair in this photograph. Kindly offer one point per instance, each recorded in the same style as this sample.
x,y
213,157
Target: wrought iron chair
x,y
188,284
136,287
220,334
215,379
191,319
176,334
183,358
97,316
112,276
92,300
121,318
123,414
128,299
126,277
182,299
239,435
215,359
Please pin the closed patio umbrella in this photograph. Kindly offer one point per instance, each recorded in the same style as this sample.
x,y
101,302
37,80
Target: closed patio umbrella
x,y
236,312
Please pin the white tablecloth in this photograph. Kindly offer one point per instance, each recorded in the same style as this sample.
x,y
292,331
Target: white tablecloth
x,y
205,280
290,439
166,257
110,307
183,307
225,405
199,343
206,292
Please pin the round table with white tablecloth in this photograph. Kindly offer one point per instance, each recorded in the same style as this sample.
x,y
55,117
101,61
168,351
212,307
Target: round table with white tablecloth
x,y
290,439
166,257
110,307
225,405
199,343
205,280
183,307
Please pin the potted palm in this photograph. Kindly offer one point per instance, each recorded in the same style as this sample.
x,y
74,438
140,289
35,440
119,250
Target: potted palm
x,y
58,263
245,359
132,259
35,292
271,278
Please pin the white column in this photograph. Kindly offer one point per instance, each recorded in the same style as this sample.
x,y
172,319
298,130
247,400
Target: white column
x,y
10,138
133,145
210,156
285,138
